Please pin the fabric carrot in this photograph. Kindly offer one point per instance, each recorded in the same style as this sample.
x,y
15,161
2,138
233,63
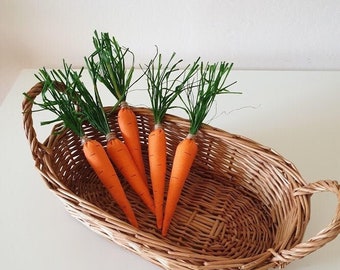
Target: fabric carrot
x,y
59,97
93,111
157,163
101,164
121,157
113,74
165,83
197,104
128,126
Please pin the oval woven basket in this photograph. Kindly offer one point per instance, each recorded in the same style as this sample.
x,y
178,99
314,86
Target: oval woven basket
x,y
243,206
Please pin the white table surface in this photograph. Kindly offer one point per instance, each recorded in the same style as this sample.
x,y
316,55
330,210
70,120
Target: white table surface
x,y
297,113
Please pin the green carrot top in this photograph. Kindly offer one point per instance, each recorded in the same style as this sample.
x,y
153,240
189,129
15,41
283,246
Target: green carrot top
x,y
58,96
65,95
211,82
165,83
112,71
92,107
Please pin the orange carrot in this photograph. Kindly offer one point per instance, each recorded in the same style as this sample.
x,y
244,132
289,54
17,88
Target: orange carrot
x,y
63,102
197,105
128,126
93,111
100,163
165,83
120,156
185,154
157,161
111,71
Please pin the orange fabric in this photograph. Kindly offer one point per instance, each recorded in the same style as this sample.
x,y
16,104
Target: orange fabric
x,y
157,163
185,154
101,164
121,158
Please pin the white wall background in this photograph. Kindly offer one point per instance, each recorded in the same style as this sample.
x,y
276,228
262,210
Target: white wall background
x,y
262,34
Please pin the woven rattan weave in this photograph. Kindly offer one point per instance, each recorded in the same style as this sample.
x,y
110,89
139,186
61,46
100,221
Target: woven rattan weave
x,y
243,207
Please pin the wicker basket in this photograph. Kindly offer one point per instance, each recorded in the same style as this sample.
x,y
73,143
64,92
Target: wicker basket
x,y
243,206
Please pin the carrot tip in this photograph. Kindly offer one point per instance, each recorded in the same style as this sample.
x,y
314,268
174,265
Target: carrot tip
x,y
164,233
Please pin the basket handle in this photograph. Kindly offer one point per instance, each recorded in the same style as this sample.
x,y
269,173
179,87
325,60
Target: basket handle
x,y
38,149
324,236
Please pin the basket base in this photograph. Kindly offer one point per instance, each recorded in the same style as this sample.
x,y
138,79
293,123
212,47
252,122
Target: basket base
x,y
219,218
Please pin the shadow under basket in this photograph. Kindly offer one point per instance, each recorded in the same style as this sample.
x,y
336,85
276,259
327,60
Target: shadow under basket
x,y
243,206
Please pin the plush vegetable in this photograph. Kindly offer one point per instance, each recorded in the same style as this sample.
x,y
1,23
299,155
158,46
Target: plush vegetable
x,y
110,57
59,95
211,82
94,113
165,83
101,164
